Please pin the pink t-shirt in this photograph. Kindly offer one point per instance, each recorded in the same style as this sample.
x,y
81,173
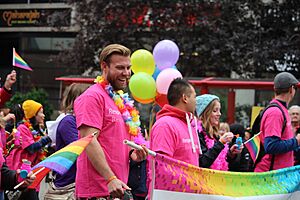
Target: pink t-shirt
x,y
170,136
96,109
271,125
14,159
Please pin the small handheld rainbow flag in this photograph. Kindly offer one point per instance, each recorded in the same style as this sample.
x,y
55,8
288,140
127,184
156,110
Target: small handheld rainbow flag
x,y
62,160
19,62
253,146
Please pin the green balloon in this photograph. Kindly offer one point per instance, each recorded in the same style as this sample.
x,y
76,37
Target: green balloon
x,y
142,86
142,61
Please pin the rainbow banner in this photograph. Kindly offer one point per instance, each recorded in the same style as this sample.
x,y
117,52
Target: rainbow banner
x,y
253,146
177,180
62,160
19,62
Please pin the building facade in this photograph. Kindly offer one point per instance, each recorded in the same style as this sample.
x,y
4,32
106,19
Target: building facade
x,y
38,30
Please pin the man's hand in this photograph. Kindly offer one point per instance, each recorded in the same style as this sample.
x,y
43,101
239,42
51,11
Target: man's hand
x,y
139,155
10,80
116,188
8,117
29,180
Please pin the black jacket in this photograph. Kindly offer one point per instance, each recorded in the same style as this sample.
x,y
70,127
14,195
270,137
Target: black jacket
x,y
208,156
242,162
8,178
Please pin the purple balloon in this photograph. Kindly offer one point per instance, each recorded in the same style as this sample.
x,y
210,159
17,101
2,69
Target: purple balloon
x,y
166,54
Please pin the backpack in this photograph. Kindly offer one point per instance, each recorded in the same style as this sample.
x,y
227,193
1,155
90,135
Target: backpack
x,y
256,129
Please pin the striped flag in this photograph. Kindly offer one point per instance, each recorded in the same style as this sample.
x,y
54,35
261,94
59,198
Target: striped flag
x,y
253,146
62,160
177,180
19,62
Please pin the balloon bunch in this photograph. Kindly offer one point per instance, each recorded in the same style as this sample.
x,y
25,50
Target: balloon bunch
x,y
153,73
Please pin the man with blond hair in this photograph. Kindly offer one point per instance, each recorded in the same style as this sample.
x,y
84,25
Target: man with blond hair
x,y
102,170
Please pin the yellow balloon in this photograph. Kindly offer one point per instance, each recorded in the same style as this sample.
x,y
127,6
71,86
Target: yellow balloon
x,y
147,101
142,61
142,86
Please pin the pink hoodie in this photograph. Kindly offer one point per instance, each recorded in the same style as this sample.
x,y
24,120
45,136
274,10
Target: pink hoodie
x,y
173,135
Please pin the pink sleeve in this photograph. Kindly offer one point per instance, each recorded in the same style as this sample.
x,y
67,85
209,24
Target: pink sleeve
x,y
26,134
163,139
4,96
89,111
272,122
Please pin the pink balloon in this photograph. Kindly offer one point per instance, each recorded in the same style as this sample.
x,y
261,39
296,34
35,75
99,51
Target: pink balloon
x,y
165,78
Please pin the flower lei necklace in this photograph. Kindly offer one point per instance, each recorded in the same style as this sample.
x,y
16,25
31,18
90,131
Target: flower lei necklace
x,y
125,105
220,162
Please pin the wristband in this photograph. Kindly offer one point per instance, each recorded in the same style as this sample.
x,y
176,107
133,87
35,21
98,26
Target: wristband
x,y
111,179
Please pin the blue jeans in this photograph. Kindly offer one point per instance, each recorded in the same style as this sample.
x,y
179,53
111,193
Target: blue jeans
x,y
1,195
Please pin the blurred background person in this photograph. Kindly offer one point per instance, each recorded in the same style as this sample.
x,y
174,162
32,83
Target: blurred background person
x,y
6,91
29,117
243,161
224,128
294,112
63,186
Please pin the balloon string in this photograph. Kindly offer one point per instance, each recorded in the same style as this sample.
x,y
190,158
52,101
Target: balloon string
x,y
152,115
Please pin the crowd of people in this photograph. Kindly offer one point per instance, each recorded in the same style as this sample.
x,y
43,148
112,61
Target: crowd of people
x,y
188,128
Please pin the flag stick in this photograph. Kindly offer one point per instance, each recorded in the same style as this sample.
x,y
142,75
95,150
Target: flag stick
x,y
252,138
139,147
35,173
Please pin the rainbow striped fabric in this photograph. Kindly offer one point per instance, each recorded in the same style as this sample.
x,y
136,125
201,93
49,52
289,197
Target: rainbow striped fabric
x,y
173,179
253,146
19,62
62,160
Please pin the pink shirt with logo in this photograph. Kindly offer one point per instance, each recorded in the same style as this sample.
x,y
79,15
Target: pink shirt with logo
x,y
96,109
271,125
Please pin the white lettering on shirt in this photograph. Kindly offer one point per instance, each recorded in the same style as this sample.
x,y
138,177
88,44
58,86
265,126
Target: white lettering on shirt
x,y
113,112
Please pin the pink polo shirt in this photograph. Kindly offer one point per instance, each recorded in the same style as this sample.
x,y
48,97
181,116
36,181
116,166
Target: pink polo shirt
x,y
271,125
96,109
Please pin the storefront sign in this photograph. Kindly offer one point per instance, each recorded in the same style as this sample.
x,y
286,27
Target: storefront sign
x,y
35,17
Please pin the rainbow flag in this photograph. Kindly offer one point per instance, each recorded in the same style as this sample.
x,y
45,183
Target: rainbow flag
x,y
19,62
62,160
174,179
253,146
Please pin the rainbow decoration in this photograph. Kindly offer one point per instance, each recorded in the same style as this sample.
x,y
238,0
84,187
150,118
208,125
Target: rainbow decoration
x,y
185,181
62,160
253,146
19,62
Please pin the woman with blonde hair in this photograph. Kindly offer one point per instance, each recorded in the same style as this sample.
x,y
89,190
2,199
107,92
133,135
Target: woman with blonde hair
x,y
63,186
215,148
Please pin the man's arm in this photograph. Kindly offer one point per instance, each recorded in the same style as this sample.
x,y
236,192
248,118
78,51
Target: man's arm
x,y
274,145
97,157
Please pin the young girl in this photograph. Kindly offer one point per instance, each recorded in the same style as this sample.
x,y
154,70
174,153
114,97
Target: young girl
x,y
215,149
224,128
30,117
